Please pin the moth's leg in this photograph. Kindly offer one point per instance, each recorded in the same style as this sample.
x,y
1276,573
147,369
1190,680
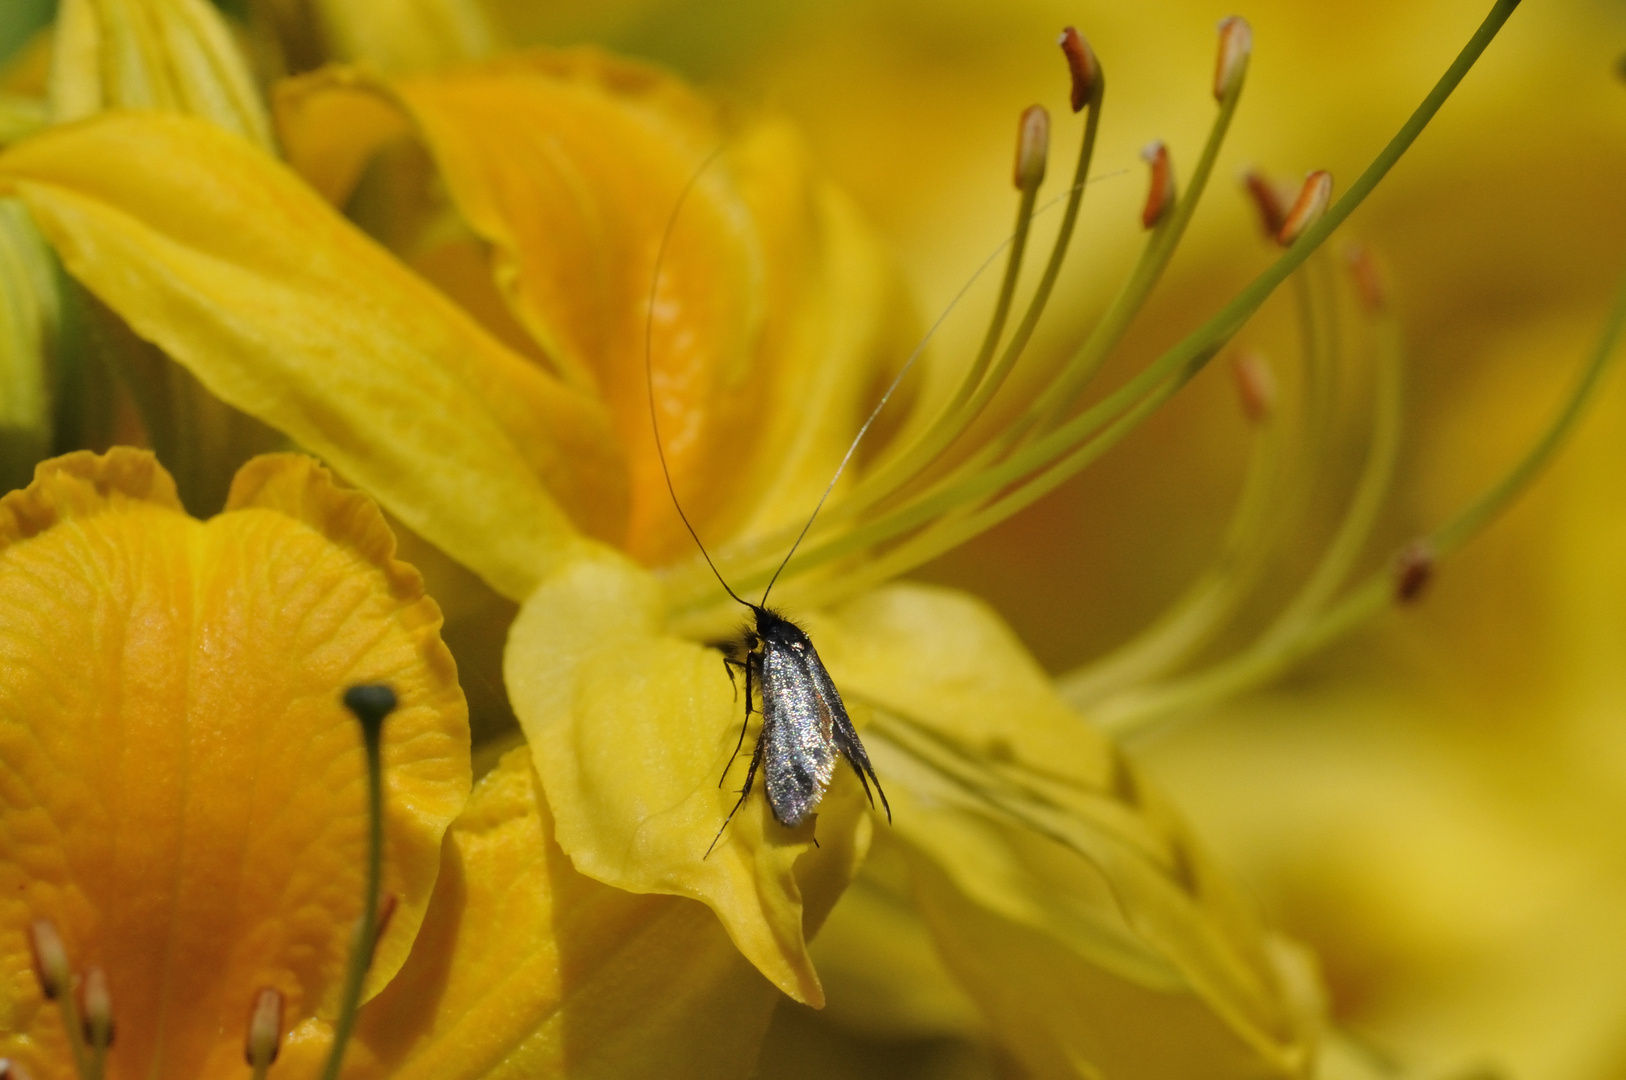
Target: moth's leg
x,y
747,664
745,793
729,664
846,739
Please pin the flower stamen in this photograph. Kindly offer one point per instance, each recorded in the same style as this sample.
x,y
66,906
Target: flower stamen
x,y
370,704
1160,184
96,1008
1236,45
1308,207
263,1039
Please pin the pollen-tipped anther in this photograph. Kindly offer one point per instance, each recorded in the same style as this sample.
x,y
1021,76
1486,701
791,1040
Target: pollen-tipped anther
x,y
371,703
1032,147
1160,189
1414,569
1255,386
96,1009
1308,207
10,1070
50,958
1082,65
1368,279
1270,199
264,1037
1235,46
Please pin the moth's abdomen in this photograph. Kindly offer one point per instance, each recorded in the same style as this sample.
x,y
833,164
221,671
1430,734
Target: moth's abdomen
x,y
799,757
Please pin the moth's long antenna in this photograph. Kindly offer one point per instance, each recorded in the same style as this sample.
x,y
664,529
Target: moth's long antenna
x,y
898,379
649,366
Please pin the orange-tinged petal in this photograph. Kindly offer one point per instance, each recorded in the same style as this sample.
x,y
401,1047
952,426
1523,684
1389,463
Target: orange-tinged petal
x,y
773,304
632,728
183,794
284,310
525,968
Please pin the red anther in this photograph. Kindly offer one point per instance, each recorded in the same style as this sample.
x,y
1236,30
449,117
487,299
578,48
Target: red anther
x,y
50,958
264,1037
96,1008
1082,65
1235,46
1309,206
1414,569
1368,279
1255,386
1270,199
1160,192
1032,147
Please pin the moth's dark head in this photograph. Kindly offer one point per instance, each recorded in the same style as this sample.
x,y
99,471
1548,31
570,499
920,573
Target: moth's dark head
x,y
775,629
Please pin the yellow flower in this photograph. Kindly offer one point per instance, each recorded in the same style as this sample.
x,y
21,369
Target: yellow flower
x,y
512,432
183,791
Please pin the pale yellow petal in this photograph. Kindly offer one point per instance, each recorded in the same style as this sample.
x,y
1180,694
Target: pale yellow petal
x,y
527,969
632,728
284,310
1071,905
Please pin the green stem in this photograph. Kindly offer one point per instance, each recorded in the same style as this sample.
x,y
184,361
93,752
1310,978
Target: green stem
x,y
1157,382
1270,657
371,704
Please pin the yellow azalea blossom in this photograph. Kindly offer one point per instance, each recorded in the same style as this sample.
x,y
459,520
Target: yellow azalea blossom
x,y
184,805
182,796
513,433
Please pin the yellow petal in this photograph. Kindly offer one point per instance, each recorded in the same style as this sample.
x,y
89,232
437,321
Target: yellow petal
x,y
1068,901
774,305
285,311
524,968
183,793
632,728
174,55
399,36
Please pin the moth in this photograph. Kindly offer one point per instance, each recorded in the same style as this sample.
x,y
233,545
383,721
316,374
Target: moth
x,y
805,727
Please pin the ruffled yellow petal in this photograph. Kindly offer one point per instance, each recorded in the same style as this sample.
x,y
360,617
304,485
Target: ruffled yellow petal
x,y
632,728
284,310
524,968
773,309
182,793
1071,905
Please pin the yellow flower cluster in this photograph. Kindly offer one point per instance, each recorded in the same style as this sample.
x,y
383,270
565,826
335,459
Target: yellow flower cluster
x,y
475,280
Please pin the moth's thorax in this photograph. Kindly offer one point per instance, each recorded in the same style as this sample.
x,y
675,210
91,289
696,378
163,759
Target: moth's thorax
x,y
775,629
